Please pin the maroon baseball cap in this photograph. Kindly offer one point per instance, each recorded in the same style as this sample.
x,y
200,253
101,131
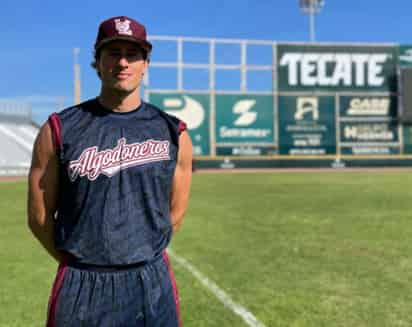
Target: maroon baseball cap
x,y
122,28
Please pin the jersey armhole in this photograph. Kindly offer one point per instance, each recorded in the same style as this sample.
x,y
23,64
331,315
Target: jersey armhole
x,y
182,127
56,127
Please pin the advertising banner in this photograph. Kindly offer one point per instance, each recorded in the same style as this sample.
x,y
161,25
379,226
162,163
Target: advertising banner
x,y
369,132
244,119
405,56
194,110
307,125
369,138
336,68
370,150
246,150
362,107
407,139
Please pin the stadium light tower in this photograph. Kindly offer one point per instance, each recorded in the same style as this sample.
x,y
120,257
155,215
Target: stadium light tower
x,y
311,8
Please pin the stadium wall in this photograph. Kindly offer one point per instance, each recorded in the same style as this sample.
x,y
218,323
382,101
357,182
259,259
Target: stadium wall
x,y
328,105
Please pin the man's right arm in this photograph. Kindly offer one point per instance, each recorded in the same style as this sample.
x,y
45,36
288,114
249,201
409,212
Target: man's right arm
x,y
43,191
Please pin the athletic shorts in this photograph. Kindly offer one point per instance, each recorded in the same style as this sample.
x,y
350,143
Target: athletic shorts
x,y
139,296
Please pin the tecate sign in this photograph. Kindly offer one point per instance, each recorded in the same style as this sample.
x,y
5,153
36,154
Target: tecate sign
x,y
334,69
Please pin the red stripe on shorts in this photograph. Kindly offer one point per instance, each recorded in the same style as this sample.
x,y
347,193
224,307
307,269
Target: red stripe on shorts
x,y
57,285
173,280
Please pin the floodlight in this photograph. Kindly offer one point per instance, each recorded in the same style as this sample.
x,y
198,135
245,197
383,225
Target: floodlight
x,y
311,8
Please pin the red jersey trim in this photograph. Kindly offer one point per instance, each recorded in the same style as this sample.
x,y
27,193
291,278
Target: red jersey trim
x,y
182,127
56,129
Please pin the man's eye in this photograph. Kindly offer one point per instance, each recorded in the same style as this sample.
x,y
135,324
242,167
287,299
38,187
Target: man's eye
x,y
132,54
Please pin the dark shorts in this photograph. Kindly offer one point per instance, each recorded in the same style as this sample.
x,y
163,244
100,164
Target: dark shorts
x,y
141,296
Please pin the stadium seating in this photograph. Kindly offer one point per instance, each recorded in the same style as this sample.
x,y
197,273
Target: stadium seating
x,y
16,144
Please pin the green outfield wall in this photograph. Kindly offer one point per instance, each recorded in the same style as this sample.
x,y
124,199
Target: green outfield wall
x,y
329,105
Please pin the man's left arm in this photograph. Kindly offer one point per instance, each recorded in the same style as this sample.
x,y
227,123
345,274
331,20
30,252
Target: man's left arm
x,y
181,181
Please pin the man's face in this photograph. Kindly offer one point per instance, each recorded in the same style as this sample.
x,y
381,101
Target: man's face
x,y
121,66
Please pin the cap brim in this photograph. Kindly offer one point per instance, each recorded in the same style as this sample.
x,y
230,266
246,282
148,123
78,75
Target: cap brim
x,y
146,45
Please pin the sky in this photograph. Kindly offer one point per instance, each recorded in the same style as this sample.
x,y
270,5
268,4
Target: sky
x,y
38,37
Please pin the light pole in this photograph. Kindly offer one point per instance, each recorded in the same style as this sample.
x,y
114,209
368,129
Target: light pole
x,y
76,52
311,8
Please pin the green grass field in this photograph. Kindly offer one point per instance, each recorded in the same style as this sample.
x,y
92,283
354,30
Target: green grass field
x,y
298,249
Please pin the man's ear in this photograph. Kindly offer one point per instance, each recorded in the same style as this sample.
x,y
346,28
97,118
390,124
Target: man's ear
x,y
146,65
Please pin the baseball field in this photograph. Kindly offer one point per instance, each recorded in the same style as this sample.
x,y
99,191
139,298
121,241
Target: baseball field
x,y
258,249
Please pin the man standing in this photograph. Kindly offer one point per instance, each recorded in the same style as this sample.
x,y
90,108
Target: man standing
x,y
108,186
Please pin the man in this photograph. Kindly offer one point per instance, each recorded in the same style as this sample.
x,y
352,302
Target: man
x,y
108,185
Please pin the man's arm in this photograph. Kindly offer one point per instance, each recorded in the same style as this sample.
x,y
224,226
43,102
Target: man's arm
x,y
181,181
43,188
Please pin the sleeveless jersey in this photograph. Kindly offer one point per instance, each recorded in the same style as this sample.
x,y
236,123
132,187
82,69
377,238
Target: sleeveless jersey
x,y
115,180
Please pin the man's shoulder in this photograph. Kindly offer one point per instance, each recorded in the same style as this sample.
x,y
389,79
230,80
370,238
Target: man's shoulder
x,y
151,107
77,108
156,110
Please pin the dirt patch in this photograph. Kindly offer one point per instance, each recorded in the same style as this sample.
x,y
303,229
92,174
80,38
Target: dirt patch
x,y
9,179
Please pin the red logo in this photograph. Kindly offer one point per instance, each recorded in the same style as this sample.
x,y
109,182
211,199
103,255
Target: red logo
x,y
92,162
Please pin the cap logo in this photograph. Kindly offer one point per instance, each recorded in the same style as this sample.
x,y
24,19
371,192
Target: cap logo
x,y
123,27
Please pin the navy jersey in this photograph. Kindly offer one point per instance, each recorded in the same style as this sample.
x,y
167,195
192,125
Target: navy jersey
x,y
115,180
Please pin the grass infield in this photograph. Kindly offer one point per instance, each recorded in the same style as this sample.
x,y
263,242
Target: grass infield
x,y
296,249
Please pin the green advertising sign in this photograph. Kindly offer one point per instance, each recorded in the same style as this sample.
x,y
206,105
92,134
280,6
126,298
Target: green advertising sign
x,y
244,119
370,150
405,55
194,110
336,68
307,125
246,150
368,132
368,107
407,139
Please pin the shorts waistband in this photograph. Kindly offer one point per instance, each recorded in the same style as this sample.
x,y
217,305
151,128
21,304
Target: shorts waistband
x,y
110,268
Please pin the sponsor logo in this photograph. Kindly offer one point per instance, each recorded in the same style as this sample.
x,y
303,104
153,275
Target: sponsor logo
x,y
370,132
307,140
407,56
227,164
369,106
338,163
197,150
335,69
370,150
123,27
307,106
189,110
93,162
243,108
247,117
243,132
246,151
312,152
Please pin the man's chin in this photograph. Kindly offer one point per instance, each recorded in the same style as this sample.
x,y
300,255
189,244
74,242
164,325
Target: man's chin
x,y
120,89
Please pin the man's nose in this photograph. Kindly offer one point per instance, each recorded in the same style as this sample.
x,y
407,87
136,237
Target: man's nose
x,y
123,61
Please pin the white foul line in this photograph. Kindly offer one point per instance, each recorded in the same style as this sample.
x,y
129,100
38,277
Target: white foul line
x,y
241,311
